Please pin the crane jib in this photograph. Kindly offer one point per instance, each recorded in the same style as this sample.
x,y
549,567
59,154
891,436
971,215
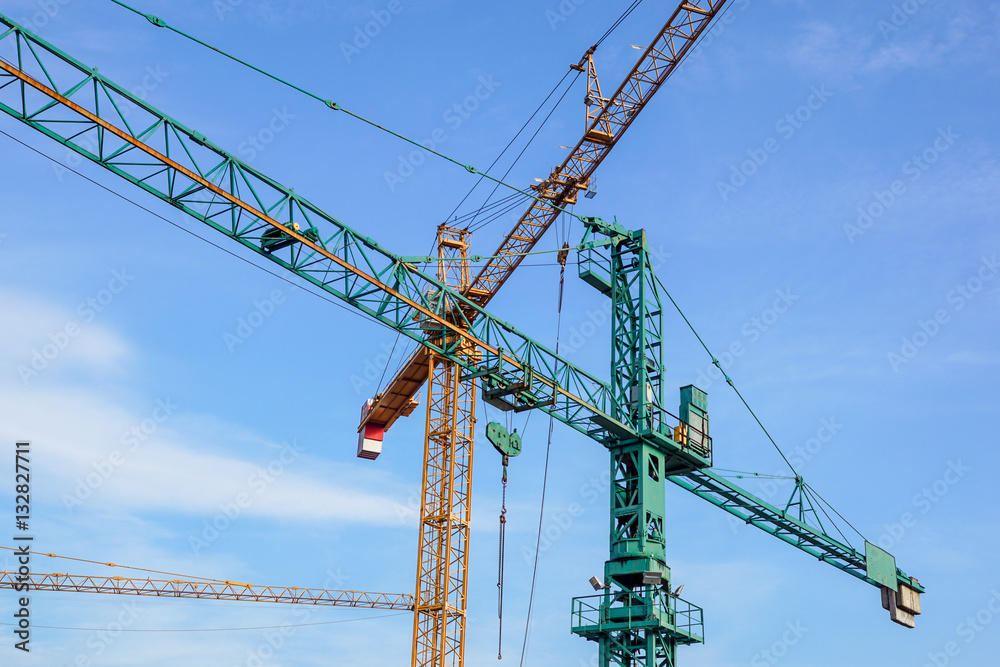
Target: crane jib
x,y
180,166
604,129
393,292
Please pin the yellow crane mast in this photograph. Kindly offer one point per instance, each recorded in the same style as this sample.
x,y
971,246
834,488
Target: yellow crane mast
x,y
442,555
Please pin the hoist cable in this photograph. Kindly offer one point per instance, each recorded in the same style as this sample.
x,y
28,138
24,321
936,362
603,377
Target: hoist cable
x,y
533,136
511,142
496,215
456,220
828,517
834,510
500,563
607,33
620,20
545,477
730,382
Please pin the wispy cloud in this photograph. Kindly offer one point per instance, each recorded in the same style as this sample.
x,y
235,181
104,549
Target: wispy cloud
x,y
51,338
839,52
163,457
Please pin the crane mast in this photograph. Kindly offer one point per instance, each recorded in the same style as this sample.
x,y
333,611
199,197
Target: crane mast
x,y
607,120
439,620
71,103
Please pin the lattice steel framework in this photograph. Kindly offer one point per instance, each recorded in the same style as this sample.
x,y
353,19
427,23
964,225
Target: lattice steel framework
x,y
445,508
635,623
617,113
71,103
205,590
607,121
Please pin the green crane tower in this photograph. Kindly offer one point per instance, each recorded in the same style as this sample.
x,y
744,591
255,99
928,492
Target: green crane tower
x,y
636,619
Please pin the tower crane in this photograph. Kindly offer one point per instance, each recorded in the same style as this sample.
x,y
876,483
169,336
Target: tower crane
x,y
636,619
442,554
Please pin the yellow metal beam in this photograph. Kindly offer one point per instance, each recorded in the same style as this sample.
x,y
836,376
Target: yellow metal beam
x,y
210,590
440,601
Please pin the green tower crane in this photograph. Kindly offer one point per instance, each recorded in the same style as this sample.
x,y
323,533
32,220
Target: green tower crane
x,y
636,619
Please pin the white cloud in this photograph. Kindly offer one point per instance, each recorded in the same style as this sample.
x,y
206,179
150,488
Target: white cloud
x,y
839,52
97,455
158,457
40,339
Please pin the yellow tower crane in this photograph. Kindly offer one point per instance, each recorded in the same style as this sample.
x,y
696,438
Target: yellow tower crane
x,y
442,555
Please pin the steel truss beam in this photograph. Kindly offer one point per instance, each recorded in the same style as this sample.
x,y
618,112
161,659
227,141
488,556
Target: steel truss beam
x,y
656,64
605,126
71,103
206,590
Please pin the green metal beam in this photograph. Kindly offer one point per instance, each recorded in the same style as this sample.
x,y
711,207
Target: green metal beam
x,y
60,97
750,509
71,103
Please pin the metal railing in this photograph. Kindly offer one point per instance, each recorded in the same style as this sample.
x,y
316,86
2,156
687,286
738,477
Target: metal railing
x,y
675,614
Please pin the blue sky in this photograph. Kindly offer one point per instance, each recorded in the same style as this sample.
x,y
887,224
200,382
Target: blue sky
x,y
839,160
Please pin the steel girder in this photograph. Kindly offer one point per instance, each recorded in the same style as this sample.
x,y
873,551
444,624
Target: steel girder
x,y
60,97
